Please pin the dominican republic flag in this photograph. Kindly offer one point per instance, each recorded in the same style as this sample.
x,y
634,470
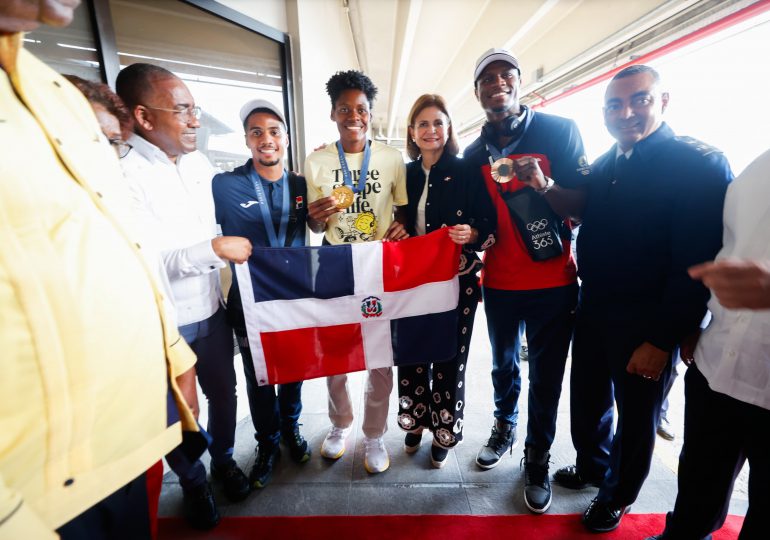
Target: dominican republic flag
x,y
318,311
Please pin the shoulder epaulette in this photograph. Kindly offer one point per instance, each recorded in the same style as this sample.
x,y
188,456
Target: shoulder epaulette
x,y
699,146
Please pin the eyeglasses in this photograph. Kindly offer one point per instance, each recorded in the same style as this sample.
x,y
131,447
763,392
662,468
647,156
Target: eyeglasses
x,y
188,113
122,148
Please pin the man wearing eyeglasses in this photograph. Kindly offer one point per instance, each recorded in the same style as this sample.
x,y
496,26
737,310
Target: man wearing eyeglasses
x,y
170,182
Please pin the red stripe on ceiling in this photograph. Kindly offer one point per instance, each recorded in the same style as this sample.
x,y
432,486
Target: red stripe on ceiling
x,y
717,26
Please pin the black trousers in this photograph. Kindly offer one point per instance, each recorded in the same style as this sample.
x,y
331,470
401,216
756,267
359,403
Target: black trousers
x,y
432,396
600,354
124,515
720,434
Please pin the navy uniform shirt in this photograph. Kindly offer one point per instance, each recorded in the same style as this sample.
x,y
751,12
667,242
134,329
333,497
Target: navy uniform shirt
x,y
647,219
237,207
238,214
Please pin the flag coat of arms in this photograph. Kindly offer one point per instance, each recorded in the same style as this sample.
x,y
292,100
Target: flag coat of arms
x,y
319,311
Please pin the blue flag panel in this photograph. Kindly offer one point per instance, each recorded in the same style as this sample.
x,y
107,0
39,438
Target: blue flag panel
x,y
416,341
306,272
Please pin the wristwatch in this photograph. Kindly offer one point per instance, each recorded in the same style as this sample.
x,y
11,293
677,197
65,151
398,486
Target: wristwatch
x,y
548,185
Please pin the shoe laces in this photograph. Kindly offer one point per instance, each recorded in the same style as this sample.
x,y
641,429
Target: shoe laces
x,y
263,458
374,444
296,436
534,473
336,433
499,442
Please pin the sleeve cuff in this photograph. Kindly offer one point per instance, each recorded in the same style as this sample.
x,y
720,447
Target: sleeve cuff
x,y
180,357
663,341
202,256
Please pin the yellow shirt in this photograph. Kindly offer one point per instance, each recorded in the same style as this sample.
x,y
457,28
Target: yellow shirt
x,y
85,352
371,213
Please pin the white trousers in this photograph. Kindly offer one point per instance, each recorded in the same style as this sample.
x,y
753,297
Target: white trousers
x,y
379,384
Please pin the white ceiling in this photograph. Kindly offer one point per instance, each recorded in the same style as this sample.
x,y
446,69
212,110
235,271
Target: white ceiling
x,y
411,47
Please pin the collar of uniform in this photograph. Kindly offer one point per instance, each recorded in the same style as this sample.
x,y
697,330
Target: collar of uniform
x,y
247,167
619,152
148,150
644,149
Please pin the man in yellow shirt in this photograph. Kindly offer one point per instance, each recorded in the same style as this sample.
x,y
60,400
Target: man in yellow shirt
x,y
89,395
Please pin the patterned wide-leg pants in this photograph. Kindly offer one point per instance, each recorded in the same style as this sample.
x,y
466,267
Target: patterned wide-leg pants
x,y
432,396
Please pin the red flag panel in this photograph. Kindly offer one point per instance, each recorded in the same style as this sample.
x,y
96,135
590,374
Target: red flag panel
x,y
313,352
419,260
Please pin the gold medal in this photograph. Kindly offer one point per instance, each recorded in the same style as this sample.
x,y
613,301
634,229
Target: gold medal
x,y
502,171
344,196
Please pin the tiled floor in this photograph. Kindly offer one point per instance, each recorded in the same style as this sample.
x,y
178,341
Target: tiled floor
x,y
412,485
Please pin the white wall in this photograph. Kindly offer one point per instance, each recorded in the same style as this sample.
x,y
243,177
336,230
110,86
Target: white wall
x,y
326,47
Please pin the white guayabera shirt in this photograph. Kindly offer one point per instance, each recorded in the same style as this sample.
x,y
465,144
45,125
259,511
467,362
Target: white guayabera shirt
x,y
176,208
734,351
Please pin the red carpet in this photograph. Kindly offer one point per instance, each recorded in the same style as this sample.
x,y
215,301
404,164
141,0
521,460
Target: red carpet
x,y
432,527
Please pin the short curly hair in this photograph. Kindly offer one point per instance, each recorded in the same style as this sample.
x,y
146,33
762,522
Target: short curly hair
x,y
350,80
100,94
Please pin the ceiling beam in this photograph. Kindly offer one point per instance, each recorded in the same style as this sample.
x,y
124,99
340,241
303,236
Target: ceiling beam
x,y
463,40
541,12
353,13
407,16
682,15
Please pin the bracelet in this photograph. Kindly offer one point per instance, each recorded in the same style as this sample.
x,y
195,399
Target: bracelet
x,y
549,183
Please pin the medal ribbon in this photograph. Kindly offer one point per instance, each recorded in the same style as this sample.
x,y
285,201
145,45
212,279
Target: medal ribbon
x,y
280,239
347,177
495,154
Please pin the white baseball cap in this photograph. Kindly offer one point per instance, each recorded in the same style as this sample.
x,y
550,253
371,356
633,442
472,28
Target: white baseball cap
x,y
253,104
493,55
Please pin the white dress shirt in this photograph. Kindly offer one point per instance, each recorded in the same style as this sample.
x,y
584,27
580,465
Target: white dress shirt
x,y
734,351
176,208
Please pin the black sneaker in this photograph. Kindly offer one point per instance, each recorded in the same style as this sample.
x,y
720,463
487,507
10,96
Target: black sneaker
x,y
298,447
438,455
537,487
412,441
570,478
602,517
262,471
234,483
200,510
502,439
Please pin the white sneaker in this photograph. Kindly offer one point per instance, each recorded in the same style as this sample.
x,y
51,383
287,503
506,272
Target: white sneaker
x,y
376,459
334,444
